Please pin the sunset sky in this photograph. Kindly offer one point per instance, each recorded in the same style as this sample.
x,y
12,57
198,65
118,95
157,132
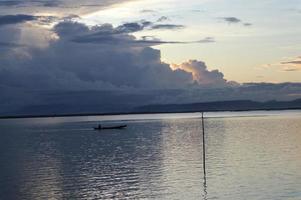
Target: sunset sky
x,y
229,50
254,46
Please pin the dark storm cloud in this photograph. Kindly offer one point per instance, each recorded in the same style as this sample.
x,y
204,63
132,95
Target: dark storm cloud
x,y
125,66
139,26
9,37
51,3
10,3
28,3
50,19
15,19
107,60
107,34
57,3
117,39
10,44
133,27
58,7
70,29
121,39
108,64
21,18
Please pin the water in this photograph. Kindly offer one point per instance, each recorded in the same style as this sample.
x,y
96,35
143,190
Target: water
x,y
250,155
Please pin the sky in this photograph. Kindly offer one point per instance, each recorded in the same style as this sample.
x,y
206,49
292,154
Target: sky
x,y
146,51
261,34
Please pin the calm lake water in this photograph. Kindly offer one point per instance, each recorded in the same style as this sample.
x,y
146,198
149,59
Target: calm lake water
x,y
249,155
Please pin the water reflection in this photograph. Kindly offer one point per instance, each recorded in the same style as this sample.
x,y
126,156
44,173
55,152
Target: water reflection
x,y
254,156
205,188
152,159
182,158
86,164
29,169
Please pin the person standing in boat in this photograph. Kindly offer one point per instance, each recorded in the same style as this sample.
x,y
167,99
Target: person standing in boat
x,y
99,126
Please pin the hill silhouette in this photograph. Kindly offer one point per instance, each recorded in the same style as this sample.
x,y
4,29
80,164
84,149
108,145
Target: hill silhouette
x,y
237,105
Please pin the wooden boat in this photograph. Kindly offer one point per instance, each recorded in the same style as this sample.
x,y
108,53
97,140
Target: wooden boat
x,y
110,127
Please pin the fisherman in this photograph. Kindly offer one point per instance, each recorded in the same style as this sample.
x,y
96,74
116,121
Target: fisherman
x,y
99,126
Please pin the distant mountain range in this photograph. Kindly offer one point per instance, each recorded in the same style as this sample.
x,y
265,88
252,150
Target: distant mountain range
x,y
237,105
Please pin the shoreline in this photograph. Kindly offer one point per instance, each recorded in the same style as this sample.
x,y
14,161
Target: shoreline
x,y
137,113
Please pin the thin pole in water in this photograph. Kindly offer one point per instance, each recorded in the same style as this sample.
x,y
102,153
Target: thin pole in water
x,y
204,158
204,142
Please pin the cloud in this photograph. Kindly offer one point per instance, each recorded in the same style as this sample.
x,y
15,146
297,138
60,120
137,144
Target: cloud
x,y
151,41
58,8
295,62
18,19
9,39
29,3
123,44
235,20
10,44
232,20
247,24
15,19
147,11
201,74
106,34
206,40
10,3
292,65
90,69
51,3
168,26
124,66
57,3
133,27
95,57
162,19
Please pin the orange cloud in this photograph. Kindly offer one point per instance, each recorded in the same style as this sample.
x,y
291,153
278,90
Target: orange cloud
x,y
201,74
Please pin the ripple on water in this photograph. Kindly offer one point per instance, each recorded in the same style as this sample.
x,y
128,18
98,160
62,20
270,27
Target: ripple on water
x,y
247,158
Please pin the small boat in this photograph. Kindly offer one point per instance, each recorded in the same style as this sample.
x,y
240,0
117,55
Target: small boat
x,y
109,127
